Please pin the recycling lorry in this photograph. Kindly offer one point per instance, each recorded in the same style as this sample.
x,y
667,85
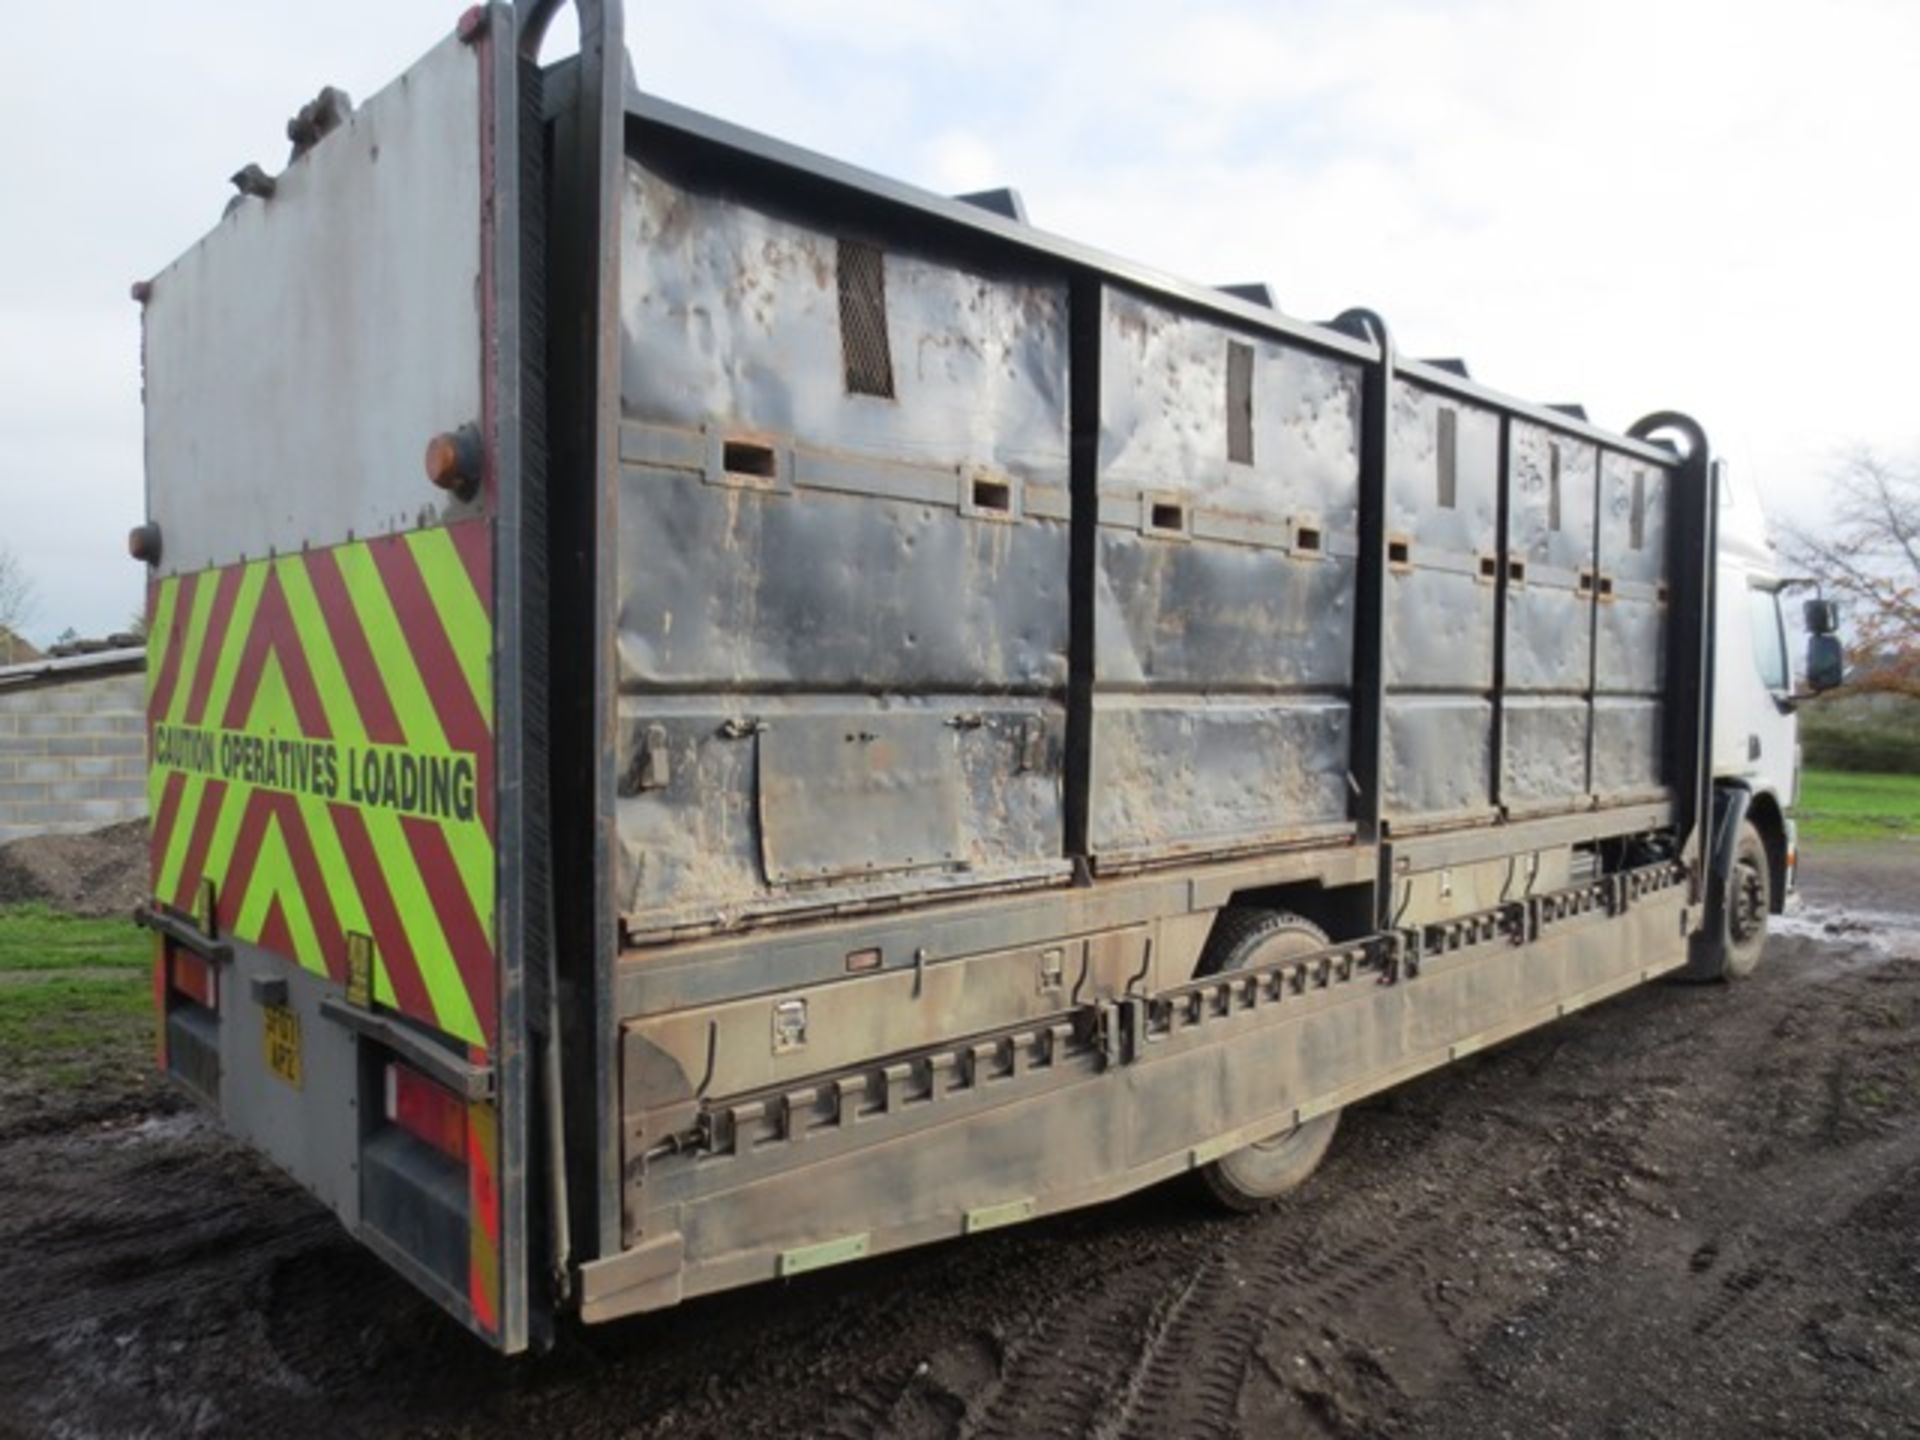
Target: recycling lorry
x,y
713,714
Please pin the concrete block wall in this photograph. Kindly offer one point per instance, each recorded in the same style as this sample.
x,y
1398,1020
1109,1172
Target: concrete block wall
x,y
73,754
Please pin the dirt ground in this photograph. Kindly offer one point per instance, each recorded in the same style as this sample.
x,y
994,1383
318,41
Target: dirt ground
x,y
100,872
1690,1211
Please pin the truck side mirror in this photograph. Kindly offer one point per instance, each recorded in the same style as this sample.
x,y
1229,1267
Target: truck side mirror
x,y
1822,616
1826,663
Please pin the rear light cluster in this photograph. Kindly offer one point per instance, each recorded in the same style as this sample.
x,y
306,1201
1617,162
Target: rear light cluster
x,y
195,979
427,1111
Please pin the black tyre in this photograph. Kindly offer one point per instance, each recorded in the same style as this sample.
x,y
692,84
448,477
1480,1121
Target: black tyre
x,y
1255,1176
1749,901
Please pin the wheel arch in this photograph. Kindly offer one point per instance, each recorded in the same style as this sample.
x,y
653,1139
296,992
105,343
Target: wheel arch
x,y
1764,810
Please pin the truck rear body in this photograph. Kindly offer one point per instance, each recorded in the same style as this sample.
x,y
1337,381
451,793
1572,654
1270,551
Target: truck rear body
x,y
774,808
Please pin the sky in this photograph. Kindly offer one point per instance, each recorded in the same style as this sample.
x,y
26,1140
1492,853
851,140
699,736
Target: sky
x,y
1636,206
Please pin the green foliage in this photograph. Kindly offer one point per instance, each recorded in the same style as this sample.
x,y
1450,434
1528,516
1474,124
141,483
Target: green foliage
x,y
1850,806
1885,742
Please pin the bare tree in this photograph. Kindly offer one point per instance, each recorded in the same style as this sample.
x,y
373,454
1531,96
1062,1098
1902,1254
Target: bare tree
x,y
18,600
1867,556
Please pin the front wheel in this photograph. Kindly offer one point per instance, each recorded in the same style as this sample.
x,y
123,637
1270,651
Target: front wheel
x,y
1749,901
1255,1176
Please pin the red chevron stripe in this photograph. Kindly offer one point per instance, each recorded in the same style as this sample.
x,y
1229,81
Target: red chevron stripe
x,y
163,818
231,897
162,694
272,632
466,728
219,617
313,885
389,934
356,656
466,936
212,796
275,934
269,806
473,539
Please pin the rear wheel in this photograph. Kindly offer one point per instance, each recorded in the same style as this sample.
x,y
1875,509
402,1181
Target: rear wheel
x,y
1257,1175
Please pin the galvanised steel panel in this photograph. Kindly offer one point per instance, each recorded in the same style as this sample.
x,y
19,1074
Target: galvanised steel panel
x,y
1223,586
1442,529
841,567
731,316
693,849
1551,490
1437,757
1627,747
1630,633
1179,774
285,407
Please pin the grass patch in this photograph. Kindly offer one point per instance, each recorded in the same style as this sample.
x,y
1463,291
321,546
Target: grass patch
x,y
38,937
1840,805
76,1003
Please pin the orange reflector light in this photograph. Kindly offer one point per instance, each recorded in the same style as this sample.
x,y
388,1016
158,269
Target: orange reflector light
x,y
193,978
143,543
427,1111
453,461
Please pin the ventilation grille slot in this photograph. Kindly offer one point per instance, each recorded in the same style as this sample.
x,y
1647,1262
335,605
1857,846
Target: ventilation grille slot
x,y
864,350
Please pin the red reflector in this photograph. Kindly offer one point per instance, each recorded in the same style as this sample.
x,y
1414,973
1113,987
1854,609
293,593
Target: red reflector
x,y
427,1111
193,978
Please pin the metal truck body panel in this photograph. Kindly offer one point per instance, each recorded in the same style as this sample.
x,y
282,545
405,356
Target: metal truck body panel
x,y
885,640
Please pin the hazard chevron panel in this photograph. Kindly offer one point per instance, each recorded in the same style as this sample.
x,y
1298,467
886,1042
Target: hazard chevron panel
x,y
321,737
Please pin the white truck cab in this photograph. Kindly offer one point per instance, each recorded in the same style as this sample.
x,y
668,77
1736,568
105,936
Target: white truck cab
x,y
1756,751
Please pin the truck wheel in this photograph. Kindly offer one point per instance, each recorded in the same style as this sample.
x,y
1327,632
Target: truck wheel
x,y
1749,901
1255,1176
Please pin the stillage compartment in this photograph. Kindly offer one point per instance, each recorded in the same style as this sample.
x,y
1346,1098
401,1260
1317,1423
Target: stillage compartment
x,y
842,565
1442,531
1550,580
1630,631
1223,579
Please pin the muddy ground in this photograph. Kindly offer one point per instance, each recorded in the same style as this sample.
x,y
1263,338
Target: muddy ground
x,y
1690,1211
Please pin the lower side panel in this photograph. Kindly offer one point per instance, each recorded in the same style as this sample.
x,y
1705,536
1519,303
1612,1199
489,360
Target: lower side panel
x,y
1048,1119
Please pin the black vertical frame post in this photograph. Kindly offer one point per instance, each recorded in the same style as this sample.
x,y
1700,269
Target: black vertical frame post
x,y
1692,552
1086,306
1502,602
583,413
1367,711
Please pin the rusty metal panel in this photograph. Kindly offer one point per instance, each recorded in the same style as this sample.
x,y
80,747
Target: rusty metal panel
x,y
285,406
1223,587
1442,529
842,565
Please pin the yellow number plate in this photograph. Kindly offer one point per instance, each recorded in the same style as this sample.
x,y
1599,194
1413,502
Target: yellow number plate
x,y
283,1043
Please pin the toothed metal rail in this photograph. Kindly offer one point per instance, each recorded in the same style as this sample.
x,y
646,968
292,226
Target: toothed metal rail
x,y
1116,1032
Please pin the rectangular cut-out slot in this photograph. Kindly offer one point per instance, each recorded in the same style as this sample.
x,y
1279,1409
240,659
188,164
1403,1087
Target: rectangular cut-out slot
x,y
749,459
1239,403
1660,593
1167,517
865,350
1489,567
1447,456
1553,486
1606,587
993,496
1399,552
1586,583
1516,572
1307,539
